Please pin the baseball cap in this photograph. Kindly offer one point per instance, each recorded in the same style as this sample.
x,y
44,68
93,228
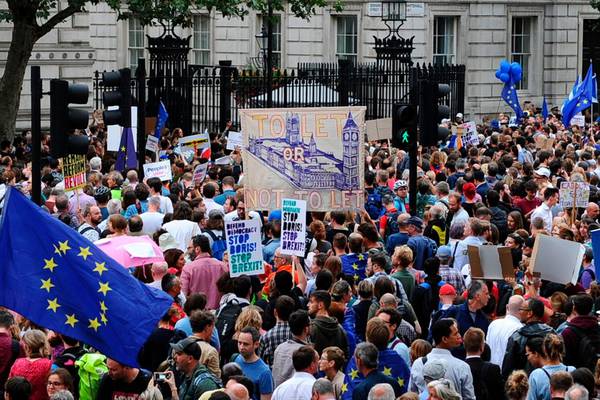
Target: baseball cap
x,y
444,252
459,115
400,184
275,215
188,346
447,290
434,370
416,221
543,171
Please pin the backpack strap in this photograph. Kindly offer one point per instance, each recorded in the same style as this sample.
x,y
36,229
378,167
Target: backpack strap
x,y
451,264
211,234
546,372
87,229
424,360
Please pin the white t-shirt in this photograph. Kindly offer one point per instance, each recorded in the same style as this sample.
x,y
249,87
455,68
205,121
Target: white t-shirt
x,y
152,222
183,231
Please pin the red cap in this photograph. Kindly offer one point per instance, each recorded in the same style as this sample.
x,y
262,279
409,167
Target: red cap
x,y
447,290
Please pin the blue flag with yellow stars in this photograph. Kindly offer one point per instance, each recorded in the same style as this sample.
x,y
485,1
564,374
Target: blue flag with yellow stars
x,y
509,95
126,156
58,279
355,265
161,121
390,363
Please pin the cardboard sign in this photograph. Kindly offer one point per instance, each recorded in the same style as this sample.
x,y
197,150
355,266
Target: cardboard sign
x,y
577,193
293,227
152,143
557,260
244,247
312,154
113,135
194,142
161,169
234,139
490,262
200,173
74,171
379,129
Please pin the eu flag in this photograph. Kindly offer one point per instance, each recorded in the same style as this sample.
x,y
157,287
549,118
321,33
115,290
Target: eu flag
x,y
390,364
545,109
163,116
582,100
509,95
355,265
58,279
126,156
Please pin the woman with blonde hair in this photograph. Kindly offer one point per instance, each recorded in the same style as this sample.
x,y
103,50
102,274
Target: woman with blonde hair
x,y
517,385
539,379
35,366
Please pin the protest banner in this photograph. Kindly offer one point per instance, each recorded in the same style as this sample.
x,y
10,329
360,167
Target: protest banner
x,y
152,143
244,247
470,136
161,169
200,173
556,260
578,120
293,227
577,193
74,171
312,154
379,129
234,139
195,142
490,262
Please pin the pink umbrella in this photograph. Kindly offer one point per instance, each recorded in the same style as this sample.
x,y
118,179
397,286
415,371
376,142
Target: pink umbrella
x,y
131,251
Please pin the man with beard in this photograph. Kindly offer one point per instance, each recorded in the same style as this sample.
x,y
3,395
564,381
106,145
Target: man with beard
x,y
89,229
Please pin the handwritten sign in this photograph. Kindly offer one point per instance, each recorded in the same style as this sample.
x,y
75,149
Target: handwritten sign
x,y
293,227
74,171
161,169
244,247
574,192
470,138
200,141
152,143
200,173
578,120
235,139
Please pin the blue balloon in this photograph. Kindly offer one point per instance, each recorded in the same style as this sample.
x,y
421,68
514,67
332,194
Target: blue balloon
x,y
498,73
504,66
504,77
516,71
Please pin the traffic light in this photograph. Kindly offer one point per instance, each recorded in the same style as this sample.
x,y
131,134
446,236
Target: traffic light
x,y
431,112
121,80
63,119
404,126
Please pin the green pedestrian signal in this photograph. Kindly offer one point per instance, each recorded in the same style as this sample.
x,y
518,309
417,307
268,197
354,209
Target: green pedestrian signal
x,y
405,137
404,126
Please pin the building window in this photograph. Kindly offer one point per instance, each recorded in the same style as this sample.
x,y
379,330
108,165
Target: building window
x,y
444,40
201,35
347,38
277,38
136,43
521,46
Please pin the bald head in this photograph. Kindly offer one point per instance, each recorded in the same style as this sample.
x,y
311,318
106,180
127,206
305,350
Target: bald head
x,y
514,303
355,242
402,218
382,391
592,210
388,300
236,391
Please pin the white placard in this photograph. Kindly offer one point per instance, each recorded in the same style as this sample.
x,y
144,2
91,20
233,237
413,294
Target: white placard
x,y
199,141
139,250
200,173
293,227
152,143
113,132
244,247
578,120
161,169
234,139
557,260
226,160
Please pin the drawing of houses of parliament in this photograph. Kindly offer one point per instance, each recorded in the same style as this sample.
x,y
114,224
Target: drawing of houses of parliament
x,y
317,169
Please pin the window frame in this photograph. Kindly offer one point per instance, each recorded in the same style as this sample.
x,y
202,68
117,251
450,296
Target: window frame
x,y
199,52
347,55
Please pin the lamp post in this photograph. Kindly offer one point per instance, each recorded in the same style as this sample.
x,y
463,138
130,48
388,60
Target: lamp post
x,y
393,14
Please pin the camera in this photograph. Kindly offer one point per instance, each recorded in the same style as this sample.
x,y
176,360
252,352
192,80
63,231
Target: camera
x,y
160,376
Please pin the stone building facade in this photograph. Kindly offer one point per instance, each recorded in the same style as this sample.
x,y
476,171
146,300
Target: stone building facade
x,y
553,39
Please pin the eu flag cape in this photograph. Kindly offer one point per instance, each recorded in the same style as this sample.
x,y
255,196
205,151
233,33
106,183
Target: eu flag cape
x,y
355,265
60,280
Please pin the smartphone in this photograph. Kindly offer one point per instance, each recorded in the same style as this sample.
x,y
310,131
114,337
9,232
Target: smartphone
x,y
160,376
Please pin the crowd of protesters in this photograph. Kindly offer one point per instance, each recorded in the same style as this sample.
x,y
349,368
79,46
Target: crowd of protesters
x,y
382,305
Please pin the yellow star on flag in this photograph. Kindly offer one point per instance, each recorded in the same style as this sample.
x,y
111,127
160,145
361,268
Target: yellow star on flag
x,y
63,247
361,257
94,324
123,148
104,288
356,277
53,304
84,252
103,318
344,388
100,268
47,284
71,320
401,382
57,250
387,371
355,266
50,264
354,373
585,101
103,307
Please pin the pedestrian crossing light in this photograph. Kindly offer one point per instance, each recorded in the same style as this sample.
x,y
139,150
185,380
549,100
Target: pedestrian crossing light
x,y
121,97
431,112
404,126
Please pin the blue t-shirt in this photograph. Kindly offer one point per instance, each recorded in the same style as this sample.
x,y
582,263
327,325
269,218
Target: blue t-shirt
x,y
259,373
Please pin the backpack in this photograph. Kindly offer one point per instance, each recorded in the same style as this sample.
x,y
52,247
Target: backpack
x,y
92,367
391,225
219,246
225,326
588,347
373,205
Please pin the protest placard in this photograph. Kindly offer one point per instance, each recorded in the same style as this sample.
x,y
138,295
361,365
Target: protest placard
x,y
225,160
578,120
161,169
490,262
577,193
470,136
234,139
293,227
195,142
74,171
200,173
556,260
244,247
312,154
379,129
152,143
